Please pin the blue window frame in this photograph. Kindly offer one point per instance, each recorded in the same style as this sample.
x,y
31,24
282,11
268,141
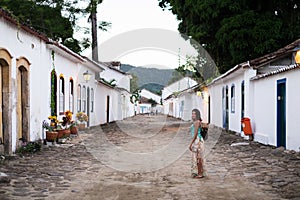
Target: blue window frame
x,y
232,98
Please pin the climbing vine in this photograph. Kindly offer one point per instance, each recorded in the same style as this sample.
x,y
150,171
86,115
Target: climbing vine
x,y
53,87
53,91
134,98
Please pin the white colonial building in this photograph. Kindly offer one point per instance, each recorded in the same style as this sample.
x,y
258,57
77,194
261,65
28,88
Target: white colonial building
x,y
146,104
115,96
34,70
266,91
174,106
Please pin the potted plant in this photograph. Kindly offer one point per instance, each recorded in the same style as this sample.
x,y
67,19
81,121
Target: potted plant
x,y
82,118
51,133
73,128
64,128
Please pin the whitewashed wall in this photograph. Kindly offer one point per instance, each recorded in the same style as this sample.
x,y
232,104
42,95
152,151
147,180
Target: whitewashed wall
x,y
176,108
149,95
178,86
200,103
126,106
122,80
293,110
166,105
101,105
184,106
215,92
34,50
190,101
265,109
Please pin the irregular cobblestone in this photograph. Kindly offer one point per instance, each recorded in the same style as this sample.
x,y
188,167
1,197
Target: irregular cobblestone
x,y
70,171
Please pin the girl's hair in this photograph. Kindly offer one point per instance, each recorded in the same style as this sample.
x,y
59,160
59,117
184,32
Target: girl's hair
x,y
198,114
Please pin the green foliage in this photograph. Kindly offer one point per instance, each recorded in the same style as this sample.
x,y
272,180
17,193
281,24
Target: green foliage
x,y
135,97
153,87
152,79
55,18
236,31
53,94
30,147
111,82
44,16
103,25
189,69
134,83
153,102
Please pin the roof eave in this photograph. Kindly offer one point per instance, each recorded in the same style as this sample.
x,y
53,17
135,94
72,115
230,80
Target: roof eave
x,y
64,51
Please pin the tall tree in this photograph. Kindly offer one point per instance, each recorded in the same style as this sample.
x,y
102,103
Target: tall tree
x,y
134,83
57,19
46,17
236,31
92,11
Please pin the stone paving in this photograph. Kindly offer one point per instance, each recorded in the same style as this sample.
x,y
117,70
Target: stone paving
x,y
86,168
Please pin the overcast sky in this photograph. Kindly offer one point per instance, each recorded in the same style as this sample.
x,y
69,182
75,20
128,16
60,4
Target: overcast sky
x,y
129,15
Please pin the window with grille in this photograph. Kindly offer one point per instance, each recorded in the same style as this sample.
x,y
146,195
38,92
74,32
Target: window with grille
x,y
61,95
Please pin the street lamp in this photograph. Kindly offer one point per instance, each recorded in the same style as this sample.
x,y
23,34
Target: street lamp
x,y
87,76
200,94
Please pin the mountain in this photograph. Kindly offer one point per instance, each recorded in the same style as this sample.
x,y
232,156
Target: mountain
x,y
152,79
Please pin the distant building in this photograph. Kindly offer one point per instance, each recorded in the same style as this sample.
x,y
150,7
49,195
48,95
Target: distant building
x,y
177,99
149,103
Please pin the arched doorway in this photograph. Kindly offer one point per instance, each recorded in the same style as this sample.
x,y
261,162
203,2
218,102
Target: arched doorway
x,y
23,100
5,101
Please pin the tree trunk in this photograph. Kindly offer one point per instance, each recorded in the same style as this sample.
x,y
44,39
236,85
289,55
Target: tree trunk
x,y
94,34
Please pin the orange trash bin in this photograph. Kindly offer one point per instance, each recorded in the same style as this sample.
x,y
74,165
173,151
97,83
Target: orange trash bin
x,y
246,126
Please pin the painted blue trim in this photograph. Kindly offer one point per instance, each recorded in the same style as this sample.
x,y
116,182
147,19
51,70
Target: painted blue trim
x,y
242,101
226,108
232,95
281,81
223,107
281,136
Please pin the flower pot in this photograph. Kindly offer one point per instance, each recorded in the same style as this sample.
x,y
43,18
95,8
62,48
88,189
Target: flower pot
x,y
67,133
60,133
81,126
74,130
51,136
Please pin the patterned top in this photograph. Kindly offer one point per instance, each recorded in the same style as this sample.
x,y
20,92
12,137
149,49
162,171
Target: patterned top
x,y
199,132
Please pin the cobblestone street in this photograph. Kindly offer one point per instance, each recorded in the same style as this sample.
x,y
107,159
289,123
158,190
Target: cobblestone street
x,y
146,157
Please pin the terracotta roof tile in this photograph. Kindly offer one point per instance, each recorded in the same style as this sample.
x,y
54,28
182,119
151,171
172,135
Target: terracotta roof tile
x,y
258,62
278,71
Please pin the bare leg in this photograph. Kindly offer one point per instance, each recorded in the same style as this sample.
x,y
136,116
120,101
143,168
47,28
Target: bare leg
x,y
200,167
